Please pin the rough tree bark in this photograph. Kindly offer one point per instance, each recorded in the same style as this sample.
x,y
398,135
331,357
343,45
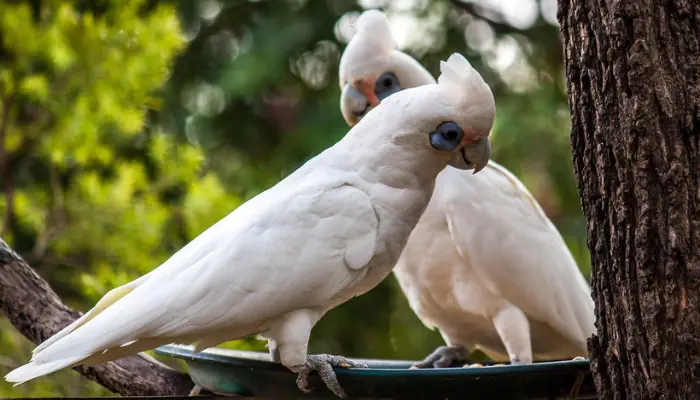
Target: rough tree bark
x,y
37,312
633,70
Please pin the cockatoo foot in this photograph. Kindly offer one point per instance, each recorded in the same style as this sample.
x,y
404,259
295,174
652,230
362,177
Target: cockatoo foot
x,y
324,363
579,358
443,357
475,365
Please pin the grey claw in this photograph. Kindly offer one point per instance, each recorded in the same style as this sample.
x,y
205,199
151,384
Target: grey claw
x,y
324,363
443,357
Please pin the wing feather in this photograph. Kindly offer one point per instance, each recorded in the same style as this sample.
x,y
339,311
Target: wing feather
x,y
517,252
301,250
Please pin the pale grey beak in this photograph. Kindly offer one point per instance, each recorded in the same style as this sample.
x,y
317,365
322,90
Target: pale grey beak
x,y
353,104
477,154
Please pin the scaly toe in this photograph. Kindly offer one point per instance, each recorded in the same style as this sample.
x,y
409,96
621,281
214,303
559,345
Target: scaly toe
x,y
323,364
357,365
303,380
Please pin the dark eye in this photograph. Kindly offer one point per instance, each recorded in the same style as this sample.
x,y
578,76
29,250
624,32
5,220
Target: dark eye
x,y
386,85
447,136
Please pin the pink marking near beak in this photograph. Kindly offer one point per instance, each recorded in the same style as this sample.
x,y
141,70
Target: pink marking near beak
x,y
470,137
367,90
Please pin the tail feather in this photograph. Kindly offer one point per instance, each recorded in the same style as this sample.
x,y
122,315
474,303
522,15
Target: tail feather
x,y
34,370
136,347
107,300
40,365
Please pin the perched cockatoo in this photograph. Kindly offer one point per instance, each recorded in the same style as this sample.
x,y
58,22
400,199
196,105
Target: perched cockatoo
x,y
330,231
484,265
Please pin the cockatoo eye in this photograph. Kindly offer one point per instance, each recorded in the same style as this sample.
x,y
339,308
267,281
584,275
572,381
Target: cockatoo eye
x,y
447,136
387,84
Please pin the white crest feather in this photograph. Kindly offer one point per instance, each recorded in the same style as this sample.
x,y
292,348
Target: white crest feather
x,y
369,49
374,25
457,73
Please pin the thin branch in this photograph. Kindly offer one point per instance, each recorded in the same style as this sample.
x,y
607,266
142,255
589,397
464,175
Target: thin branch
x,y
4,171
9,189
37,312
8,362
472,9
6,104
56,220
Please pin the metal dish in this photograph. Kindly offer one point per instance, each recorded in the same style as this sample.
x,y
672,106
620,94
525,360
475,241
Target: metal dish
x,y
250,373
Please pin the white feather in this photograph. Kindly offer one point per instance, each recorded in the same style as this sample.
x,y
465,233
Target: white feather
x,y
330,231
484,244
34,370
375,25
457,72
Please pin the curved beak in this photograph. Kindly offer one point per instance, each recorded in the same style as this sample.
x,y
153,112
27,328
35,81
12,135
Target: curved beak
x,y
477,154
356,100
353,104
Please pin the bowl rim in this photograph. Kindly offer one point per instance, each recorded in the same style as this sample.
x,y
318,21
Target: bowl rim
x,y
260,360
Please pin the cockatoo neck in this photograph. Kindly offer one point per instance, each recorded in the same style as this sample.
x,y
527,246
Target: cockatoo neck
x,y
400,155
390,164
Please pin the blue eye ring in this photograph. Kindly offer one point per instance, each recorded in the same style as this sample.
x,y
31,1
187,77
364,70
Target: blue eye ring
x,y
447,136
386,85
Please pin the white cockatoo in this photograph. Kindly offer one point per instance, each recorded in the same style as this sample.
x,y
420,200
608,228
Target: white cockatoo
x,y
330,231
484,265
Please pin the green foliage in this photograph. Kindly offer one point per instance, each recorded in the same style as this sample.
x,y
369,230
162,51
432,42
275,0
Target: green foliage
x,y
98,198
132,126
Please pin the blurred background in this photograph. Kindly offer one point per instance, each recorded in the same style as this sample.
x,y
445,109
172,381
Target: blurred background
x,y
128,127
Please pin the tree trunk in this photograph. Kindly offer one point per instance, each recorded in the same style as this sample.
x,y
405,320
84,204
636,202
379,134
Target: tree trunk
x,y
37,312
633,71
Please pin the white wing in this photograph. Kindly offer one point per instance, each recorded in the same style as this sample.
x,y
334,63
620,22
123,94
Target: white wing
x,y
516,251
270,256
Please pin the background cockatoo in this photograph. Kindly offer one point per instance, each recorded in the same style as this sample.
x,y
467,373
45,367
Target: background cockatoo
x,y
484,265
330,231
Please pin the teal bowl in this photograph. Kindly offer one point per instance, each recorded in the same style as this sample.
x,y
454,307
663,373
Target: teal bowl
x,y
249,373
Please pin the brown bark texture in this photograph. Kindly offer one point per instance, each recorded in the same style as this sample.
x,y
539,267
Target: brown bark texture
x,y
633,71
37,312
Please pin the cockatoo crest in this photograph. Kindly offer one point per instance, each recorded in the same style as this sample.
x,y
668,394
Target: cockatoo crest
x,y
373,26
370,46
475,97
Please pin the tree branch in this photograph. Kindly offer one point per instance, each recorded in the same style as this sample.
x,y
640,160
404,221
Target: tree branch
x,y
37,312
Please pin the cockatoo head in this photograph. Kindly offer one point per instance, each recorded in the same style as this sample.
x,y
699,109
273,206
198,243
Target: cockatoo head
x,y
448,122
372,68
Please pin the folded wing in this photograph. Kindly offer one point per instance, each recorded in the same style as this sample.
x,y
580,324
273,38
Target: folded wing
x,y
289,252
